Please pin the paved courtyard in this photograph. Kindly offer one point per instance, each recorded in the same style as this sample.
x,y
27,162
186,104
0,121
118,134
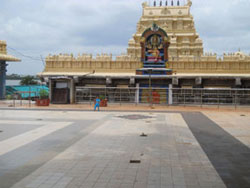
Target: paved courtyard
x,y
81,149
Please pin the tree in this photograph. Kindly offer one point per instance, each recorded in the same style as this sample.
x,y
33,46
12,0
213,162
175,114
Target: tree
x,y
28,80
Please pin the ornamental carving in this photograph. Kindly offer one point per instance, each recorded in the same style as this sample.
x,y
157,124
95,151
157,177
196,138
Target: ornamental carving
x,y
165,11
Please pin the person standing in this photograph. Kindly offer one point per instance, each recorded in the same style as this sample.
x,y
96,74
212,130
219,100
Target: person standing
x,y
97,104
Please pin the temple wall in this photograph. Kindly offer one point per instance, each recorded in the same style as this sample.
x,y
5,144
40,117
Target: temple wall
x,y
204,64
88,64
212,67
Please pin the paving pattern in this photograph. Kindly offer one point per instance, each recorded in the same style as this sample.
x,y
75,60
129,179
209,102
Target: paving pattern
x,y
67,149
229,156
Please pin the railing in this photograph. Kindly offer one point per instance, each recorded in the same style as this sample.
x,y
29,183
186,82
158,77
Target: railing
x,y
122,95
17,101
165,96
212,96
21,98
153,96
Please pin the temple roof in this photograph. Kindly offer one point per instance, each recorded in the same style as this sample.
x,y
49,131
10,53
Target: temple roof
x,y
3,53
4,57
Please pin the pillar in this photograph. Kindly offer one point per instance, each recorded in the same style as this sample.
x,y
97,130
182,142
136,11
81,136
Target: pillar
x,y
72,91
198,81
108,81
132,81
170,94
3,71
238,82
50,89
175,81
137,93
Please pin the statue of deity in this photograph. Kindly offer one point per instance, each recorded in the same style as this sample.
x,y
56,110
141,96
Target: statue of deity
x,y
154,45
155,53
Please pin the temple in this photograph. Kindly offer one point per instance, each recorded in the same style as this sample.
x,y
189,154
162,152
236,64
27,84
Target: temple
x,y
4,57
165,48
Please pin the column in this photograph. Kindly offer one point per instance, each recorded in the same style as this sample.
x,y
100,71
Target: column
x,y
72,91
50,90
170,94
137,93
2,79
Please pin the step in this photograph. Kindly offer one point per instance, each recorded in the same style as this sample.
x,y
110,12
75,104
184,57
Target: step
x,y
154,62
154,66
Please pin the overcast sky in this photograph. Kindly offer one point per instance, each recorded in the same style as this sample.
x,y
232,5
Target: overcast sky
x,y
38,27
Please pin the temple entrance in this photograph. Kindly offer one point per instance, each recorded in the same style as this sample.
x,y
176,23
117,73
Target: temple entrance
x,y
61,92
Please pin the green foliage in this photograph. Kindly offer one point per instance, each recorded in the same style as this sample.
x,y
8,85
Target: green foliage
x,y
28,80
101,97
43,94
13,77
8,97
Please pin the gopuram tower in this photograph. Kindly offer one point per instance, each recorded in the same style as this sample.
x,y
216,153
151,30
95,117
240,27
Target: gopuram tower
x,y
176,20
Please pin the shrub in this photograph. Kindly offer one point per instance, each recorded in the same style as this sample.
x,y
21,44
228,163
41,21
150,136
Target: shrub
x,y
8,97
44,94
102,97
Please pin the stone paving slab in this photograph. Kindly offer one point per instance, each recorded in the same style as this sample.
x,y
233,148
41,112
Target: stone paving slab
x,y
129,107
170,156
229,156
30,136
235,123
176,149
18,163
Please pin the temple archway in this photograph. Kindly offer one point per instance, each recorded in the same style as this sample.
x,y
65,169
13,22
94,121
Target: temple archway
x,y
154,45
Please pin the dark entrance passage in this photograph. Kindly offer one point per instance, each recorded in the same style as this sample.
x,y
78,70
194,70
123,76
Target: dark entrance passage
x,y
60,92
60,96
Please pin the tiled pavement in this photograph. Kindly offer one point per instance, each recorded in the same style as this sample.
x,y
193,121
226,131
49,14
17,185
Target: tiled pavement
x,y
94,150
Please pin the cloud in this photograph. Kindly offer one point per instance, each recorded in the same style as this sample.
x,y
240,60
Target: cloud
x,y
61,26
223,25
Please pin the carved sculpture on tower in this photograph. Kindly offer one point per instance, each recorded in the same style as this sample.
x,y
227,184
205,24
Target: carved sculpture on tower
x,y
154,44
154,51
